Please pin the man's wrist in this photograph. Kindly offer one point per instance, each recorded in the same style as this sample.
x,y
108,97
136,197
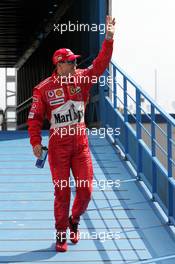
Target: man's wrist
x,y
36,143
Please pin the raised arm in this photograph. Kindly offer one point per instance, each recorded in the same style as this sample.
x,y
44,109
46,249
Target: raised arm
x,y
100,63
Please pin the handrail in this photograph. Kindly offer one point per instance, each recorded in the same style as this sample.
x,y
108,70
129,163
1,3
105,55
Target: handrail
x,y
169,120
18,106
138,87
157,172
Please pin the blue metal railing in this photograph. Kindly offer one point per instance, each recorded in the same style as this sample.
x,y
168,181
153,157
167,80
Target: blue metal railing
x,y
148,146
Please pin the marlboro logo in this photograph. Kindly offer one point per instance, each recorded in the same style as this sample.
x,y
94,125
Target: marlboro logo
x,y
70,116
71,112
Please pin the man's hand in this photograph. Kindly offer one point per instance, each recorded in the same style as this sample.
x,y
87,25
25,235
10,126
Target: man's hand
x,y
110,27
37,151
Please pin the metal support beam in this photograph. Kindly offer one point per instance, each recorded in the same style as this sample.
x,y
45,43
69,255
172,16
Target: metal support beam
x,y
44,33
10,121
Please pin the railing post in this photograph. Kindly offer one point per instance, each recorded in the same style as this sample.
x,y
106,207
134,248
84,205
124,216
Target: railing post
x,y
138,133
169,149
102,8
125,113
169,168
114,86
153,152
102,105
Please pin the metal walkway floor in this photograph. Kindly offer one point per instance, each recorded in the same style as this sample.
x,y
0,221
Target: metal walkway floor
x,y
121,222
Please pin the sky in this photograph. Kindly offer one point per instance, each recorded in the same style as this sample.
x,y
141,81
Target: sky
x,y
144,45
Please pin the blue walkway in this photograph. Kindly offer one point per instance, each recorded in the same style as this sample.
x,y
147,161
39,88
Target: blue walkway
x,y
137,233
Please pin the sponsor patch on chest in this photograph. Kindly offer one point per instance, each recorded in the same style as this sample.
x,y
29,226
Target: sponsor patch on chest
x,y
54,94
74,90
31,115
57,101
70,113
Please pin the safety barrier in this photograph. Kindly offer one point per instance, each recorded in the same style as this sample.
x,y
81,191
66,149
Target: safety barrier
x,y
146,142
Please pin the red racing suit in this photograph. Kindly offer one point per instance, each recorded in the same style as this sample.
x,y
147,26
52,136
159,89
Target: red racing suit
x,y
63,104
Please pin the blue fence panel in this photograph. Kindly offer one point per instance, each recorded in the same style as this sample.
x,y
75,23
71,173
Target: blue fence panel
x,y
132,147
147,168
149,149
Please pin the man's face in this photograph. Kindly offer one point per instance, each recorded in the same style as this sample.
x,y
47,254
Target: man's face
x,y
66,68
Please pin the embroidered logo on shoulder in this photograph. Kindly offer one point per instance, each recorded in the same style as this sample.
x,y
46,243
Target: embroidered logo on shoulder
x,y
35,99
33,106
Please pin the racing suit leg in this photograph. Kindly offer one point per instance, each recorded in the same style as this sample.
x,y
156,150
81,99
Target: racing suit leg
x,y
59,161
82,169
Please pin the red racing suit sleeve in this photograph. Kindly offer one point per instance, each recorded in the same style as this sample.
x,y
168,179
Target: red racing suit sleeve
x,y
100,63
36,117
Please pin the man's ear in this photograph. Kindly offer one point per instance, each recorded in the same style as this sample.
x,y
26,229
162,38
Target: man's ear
x,y
59,67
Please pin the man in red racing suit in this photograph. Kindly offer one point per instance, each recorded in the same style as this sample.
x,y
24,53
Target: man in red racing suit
x,y
63,100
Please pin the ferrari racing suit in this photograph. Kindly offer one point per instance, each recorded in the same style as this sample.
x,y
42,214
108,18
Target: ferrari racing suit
x,y
63,104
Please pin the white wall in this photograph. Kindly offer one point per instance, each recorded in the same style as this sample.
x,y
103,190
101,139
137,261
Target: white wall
x,y
145,41
2,88
11,86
